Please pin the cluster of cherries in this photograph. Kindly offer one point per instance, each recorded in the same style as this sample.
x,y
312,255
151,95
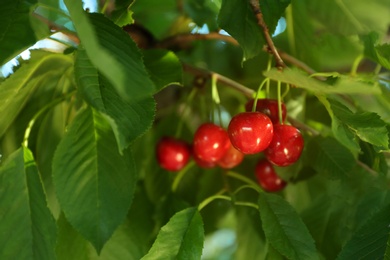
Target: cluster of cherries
x,y
247,133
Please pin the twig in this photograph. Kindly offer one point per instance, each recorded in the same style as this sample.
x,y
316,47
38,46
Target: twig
x,y
271,46
222,79
183,39
57,28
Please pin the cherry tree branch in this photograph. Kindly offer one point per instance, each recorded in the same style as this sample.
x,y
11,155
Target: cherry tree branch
x,y
271,46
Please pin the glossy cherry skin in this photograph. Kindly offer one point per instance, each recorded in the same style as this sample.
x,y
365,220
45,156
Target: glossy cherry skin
x,y
231,159
268,107
172,154
250,132
267,177
286,146
211,142
204,164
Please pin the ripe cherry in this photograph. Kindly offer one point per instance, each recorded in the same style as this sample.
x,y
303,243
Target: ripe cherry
x,y
211,142
250,132
204,164
269,107
267,177
172,154
231,159
286,146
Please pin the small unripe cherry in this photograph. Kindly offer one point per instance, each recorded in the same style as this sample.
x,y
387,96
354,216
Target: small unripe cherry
x,y
250,132
172,154
267,177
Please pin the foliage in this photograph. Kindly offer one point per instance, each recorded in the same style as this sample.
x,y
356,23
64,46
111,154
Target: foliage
x,y
80,121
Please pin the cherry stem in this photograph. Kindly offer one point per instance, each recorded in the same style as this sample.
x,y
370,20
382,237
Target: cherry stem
x,y
187,105
243,187
280,102
215,96
286,91
266,80
42,111
355,65
242,178
180,175
224,197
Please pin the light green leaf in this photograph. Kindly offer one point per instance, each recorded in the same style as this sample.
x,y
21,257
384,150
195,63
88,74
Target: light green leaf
x,y
112,52
368,126
122,15
284,229
328,156
16,90
181,238
94,183
27,228
128,119
343,85
164,67
375,51
16,33
370,240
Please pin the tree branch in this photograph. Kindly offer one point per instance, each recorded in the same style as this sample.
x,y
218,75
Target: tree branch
x,y
271,46
222,79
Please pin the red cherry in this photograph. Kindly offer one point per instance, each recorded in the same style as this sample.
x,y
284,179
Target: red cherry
x,y
267,177
269,107
250,132
172,154
231,159
211,142
204,164
286,146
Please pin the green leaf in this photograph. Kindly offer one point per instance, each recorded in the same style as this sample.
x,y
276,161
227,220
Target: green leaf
x,y
377,52
327,155
164,67
284,229
203,12
27,228
181,238
112,52
68,238
370,240
127,119
238,19
343,85
131,240
94,183
16,90
368,126
122,15
16,33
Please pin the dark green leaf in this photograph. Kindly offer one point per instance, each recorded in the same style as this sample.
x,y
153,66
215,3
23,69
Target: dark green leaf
x,y
284,229
16,90
69,238
27,228
203,12
16,33
122,15
328,156
387,253
344,84
94,183
164,67
237,18
369,127
181,238
112,52
128,119
370,240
